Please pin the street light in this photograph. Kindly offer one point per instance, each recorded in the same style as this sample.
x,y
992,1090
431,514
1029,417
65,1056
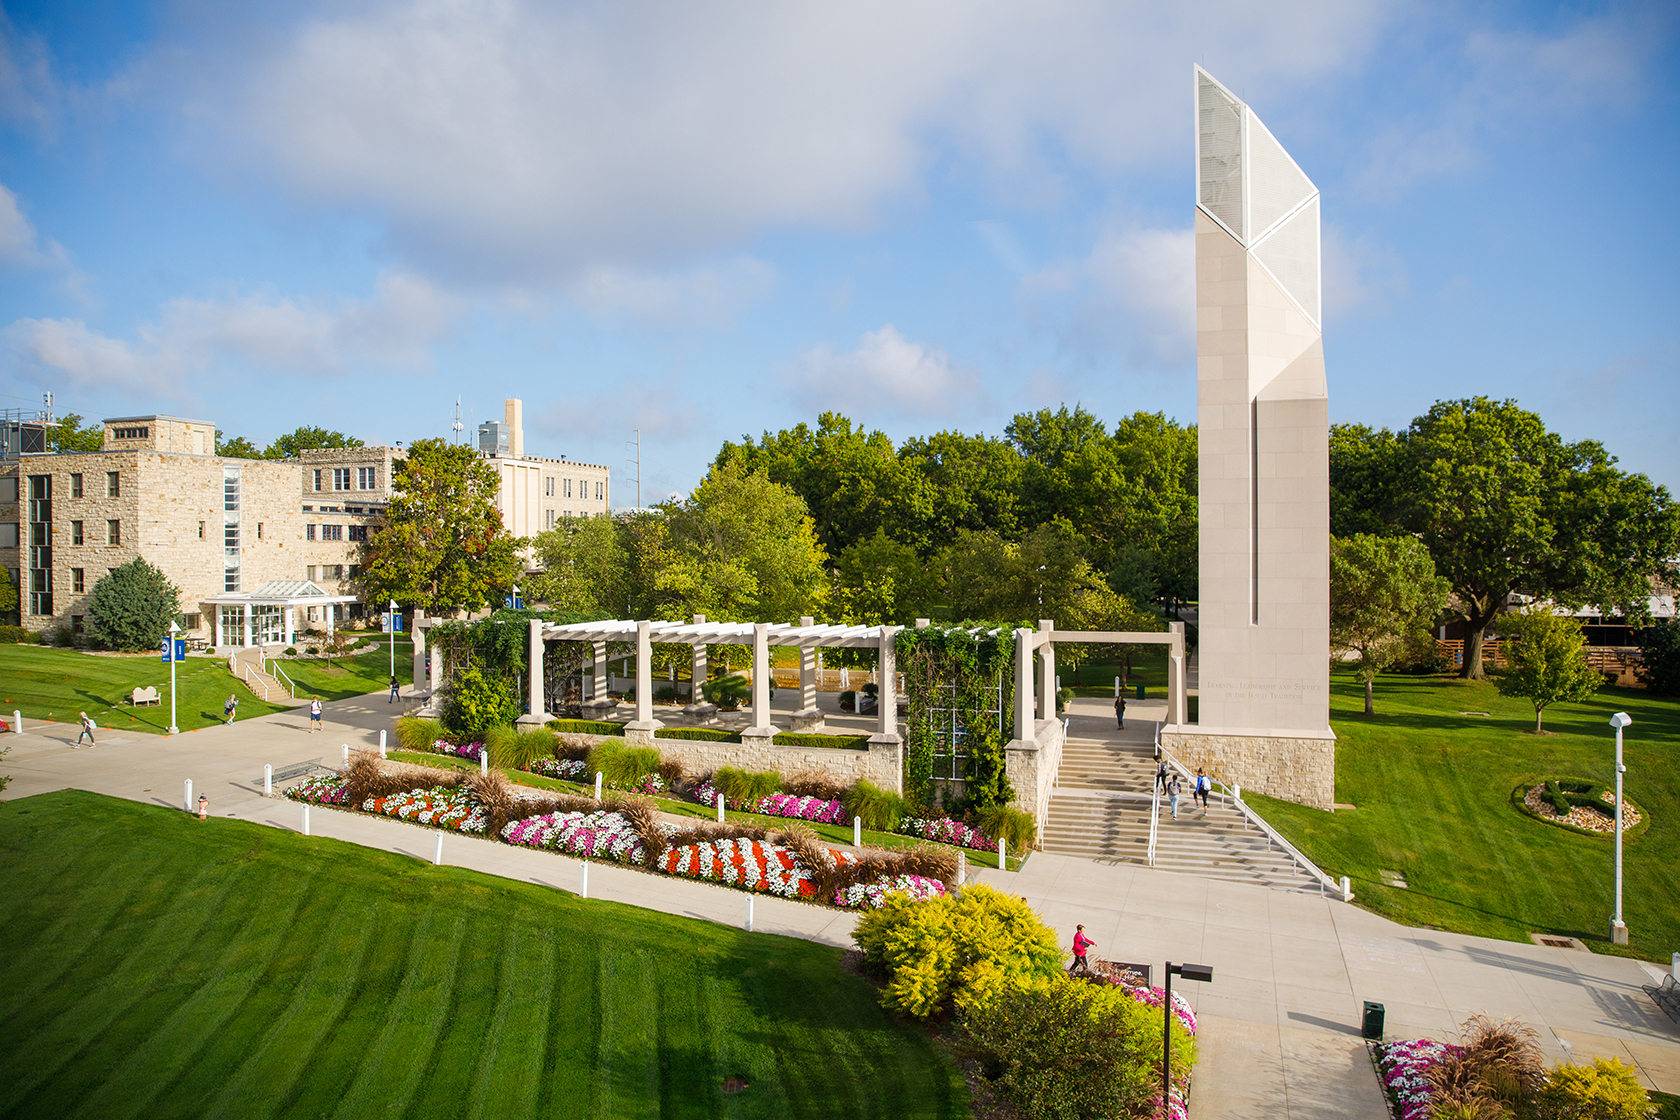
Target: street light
x,y
1618,928
1202,972
174,628
393,639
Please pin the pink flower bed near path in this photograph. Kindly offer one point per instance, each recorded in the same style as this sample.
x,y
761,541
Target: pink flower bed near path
x,y
323,789
872,896
944,830
777,805
600,835
469,750
1405,1066
568,769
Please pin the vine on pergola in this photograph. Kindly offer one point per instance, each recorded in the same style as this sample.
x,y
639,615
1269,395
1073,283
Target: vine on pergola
x,y
972,668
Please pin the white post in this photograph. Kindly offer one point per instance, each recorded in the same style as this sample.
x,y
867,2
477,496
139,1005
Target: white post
x,y
437,854
17,722
483,760
761,679
749,913
1674,967
1618,928
174,628
245,641
268,780
962,867
1023,684
583,879
857,832
1003,854
1347,887
720,808
886,698
1117,688
644,672
597,785
306,819
187,800
382,744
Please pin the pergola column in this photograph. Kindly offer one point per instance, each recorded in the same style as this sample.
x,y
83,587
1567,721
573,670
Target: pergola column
x,y
1024,685
598,685
418,661
762,727
886,698
218,609
697,674
1047,672
644,721
246,637
537,715
809,716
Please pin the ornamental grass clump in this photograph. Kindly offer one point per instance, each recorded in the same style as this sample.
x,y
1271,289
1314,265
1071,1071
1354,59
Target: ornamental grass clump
x,y
621,766
367,775
414,734
814,783
1003,822
513,749
880,809
1505,1056
745,786
496,795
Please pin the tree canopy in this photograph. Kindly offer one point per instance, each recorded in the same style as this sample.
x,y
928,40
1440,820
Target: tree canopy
x,y
236,448
132,606
307,439
68,435
1383,593
443,547
1548,663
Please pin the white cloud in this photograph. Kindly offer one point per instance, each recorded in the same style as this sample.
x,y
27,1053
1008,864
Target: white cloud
x,y
885,372
707,295
192,337
22,250
1135,293
29,94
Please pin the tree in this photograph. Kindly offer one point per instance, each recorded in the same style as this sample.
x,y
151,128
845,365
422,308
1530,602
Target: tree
x,y
8,594
1505,506
443,547
1548,663
585,566
1364,462
881,581
1044,575
132,606
68,435
1659,660
1383,592
968,482
307,439
236,448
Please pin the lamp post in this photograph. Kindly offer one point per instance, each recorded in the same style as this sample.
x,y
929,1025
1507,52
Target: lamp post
x,y
393,639
175,628
1618,928
1202,972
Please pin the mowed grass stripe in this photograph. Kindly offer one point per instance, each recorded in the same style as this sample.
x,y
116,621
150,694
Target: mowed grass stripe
x,y
402,989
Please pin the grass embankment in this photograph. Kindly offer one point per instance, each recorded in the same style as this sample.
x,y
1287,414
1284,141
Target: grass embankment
x,y
159,965
47,683
839,833
1433,794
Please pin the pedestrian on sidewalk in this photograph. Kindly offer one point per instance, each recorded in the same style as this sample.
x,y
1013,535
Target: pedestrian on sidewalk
x,y
1082,945
1173,788
315,715
1120,711
395,695
230,709
1161,772
88,728
1204,784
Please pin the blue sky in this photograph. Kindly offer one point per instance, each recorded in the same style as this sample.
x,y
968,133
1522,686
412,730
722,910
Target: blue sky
x,y
709,220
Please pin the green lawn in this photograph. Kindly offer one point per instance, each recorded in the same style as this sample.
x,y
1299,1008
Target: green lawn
x,y
1433,790
48,683
162,966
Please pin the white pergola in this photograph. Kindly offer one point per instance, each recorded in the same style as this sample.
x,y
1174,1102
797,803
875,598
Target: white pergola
x,y
286,594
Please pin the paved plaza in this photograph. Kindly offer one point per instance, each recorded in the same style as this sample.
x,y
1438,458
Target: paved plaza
x,y
1279,1023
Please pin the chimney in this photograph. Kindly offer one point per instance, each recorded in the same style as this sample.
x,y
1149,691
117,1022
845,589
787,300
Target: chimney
x,y
514,409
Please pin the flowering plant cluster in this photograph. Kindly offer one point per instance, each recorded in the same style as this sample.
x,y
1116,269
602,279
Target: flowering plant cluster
x,y
777,805
872,896
444,808
599,835
1405,1067
322,789
946,831
649,784
1151,997
570,769
470,750
749,864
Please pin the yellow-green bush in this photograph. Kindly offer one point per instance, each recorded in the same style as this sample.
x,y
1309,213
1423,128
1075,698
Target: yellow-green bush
x,y
965,950
1605,1090
414,734
620,765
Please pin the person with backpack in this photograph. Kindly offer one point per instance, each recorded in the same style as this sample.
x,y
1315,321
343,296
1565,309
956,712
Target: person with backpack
x,y
1204,785
395,695
315,716
1173,788
1120,711
231,708
88,728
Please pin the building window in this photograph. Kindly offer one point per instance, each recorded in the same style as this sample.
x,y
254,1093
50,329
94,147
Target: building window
x,y
341,478
550,524
76,580
548,487
568,488
332,532
75,485
355,570
309,532
309,573
76,626
259,530
598,486
312,480
332,571
358,532
113,484
75,532
364,478
8,534
192,621
129,433
113,532
201,530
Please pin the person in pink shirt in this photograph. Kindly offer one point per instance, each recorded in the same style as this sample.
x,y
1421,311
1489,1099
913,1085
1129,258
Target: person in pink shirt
x,y
1082,946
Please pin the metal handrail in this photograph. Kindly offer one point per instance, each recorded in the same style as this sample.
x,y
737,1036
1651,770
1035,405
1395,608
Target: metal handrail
x,y
1154,820
289,681
245,665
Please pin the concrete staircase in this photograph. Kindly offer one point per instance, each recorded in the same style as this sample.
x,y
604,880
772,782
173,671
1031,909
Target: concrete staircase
x,y
246,665
1101,811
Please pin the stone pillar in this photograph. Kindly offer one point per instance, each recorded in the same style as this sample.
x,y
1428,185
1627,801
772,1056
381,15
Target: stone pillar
x,y
538,715
698,670
641,729
1178,707
245,639
809,717
887,700
1024,685
217,607
761,727
422,684
1047,672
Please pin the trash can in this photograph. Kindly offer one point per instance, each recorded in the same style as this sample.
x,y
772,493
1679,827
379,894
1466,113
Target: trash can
x,y
1372,1026
1140,695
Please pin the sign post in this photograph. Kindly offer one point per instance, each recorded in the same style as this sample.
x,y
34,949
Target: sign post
x,y
393,627
174,649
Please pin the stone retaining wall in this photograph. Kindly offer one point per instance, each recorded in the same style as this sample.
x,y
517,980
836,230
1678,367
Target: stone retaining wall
x,y
882,764
1032,768
1292,767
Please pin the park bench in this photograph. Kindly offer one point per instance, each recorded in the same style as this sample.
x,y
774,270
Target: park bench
x,y
143,696
1667,995
286,773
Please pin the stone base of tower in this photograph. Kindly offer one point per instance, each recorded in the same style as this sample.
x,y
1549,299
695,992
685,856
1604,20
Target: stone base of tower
x,y
1297,766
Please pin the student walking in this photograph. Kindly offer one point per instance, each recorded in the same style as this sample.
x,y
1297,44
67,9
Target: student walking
x,y
1161,773
1082,945
88,728
315,716
395,695
1173,788
1120,711
1203,785
230,709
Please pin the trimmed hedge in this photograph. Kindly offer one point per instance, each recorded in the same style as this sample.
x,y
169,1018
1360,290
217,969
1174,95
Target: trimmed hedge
x,y
1565,788
586,726
700,734
816,739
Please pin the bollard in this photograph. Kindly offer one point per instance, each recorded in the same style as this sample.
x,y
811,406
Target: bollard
x,y
749,913
306,820
597,785
347,754
437,855
583,879
17,721
382,744
1674,967
1347,888
1003,854
203,806
857,832
962,868
186,802
720,808
484,761
268,780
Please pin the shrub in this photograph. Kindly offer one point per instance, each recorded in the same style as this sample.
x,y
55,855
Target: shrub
x,y
621,765
672,771
848,701
814,783
728,693
746,785
1002,822
131,607
415,734
1605,1090
291,651
367,776
16,634
513,749
698,734
1659,665
817,739
479,701
665,695
60,636
871,689
880,809
1505,1056
968,951
586,726
1074,1050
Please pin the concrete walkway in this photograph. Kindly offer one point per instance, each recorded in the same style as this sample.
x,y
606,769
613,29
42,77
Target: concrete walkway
x,y
1279,1023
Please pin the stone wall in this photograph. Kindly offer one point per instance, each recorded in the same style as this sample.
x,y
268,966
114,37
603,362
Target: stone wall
x,y
1292,767
882,764
1032,768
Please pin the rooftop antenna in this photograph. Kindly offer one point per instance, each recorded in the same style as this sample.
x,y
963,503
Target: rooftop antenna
x,y
457,426
638,461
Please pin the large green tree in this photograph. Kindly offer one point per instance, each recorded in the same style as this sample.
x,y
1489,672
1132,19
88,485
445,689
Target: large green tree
x,y
132,606
880,580
585,566
968,482
307,439
1364,465
1548,663
443,547
68,435
236,448
1505,506
1384,593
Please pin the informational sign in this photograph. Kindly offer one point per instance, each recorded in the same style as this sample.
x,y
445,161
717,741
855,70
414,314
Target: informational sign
x,y
513,602
390,622
178,646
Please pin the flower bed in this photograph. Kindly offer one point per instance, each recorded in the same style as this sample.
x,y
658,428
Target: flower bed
x,y
650,784
946,831
568,769
322,789
603,835
1404,1069
751,865
1182,1011
1582,817
468,750
777,805
442,808
872,896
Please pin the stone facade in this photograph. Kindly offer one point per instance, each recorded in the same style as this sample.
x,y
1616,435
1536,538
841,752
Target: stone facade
x,y
1032,767
1293,766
